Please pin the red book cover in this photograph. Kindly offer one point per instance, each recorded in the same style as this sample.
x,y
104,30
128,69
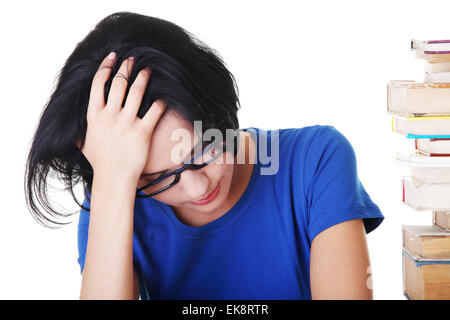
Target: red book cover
x,y
403,182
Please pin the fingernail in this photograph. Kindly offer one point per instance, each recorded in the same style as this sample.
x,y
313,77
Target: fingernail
x,y
111,56
131,58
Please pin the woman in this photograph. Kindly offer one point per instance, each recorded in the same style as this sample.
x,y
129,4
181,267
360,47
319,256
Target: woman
x,y
163,220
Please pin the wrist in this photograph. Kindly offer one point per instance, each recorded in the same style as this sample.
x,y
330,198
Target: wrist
x,y
116,179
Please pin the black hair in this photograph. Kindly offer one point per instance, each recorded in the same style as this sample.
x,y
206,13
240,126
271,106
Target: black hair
x,y
187,75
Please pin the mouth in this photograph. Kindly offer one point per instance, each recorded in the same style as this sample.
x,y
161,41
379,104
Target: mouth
x,y
209,197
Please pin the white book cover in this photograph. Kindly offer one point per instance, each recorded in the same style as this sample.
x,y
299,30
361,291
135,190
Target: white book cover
x,y
437,67
439,77
419,160
437,125
422,196
431,175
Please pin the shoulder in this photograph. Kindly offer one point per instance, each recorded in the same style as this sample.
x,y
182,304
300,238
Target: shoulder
x,y
317,150
316,133
322,135
311,140
326,141
307,148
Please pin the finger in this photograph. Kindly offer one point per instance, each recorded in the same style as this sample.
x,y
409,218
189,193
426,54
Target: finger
x,y
97,95
119,86
136,93
153,115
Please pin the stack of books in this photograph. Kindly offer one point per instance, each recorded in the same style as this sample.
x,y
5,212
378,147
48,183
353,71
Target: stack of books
x,y
421,111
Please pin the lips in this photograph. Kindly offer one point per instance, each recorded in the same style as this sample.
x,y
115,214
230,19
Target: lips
x,y
209,198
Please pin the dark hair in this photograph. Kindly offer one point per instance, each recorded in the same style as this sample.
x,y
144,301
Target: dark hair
x,y
188,75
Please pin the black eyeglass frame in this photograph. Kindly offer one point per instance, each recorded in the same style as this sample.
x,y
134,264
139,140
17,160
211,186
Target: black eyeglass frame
x,y
177,173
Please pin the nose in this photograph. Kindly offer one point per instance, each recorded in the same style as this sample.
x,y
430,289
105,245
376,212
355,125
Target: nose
x,y
195,183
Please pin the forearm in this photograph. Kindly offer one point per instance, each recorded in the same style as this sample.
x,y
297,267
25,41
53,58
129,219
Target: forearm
x,y
108,269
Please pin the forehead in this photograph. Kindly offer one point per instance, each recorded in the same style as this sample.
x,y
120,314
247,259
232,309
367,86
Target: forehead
x,y
172,141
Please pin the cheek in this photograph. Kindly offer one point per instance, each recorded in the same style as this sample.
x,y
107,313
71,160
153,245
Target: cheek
x,y
215,173
163,197
227,171
220,172
225,177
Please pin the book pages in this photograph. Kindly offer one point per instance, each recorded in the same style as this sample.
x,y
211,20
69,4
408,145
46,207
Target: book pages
x,y
422,196
408,97
441,219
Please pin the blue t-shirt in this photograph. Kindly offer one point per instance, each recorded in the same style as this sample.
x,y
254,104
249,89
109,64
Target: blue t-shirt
x,y
260,248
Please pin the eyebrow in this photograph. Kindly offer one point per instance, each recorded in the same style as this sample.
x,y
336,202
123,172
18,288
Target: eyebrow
x,y
144,175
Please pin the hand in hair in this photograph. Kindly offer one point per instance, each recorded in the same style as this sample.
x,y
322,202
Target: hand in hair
x,y
117,141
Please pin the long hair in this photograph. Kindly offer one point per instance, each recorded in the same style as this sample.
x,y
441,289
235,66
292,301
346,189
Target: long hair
x,y
187,75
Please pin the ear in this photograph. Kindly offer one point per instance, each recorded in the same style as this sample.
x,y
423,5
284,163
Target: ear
x,y
78,143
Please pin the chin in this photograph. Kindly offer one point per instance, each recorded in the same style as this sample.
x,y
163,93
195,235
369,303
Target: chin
x,y
216,203
210,207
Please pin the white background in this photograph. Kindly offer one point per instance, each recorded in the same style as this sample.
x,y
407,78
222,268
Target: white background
x,y
296,64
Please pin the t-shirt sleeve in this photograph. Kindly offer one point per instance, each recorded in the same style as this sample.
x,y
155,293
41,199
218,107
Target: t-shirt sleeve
x,y
83,228
334,192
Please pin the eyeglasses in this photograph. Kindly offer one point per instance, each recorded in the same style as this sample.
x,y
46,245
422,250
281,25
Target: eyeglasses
x,y
211,153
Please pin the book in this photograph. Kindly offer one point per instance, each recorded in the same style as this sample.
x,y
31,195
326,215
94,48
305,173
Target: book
x,y
433,57
417,159
423,196
425,278
433,147
411,98
426,241
431,46
426,262
437,125
437,67
432,50
421,111
436,77
441,219
431,175
428,136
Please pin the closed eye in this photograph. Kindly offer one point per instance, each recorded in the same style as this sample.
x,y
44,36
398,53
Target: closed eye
x,y
147,180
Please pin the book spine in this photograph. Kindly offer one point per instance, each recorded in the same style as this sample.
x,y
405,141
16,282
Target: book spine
x,y
437,41
403,182
430,136
425,118
436,52
439,154
433,154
